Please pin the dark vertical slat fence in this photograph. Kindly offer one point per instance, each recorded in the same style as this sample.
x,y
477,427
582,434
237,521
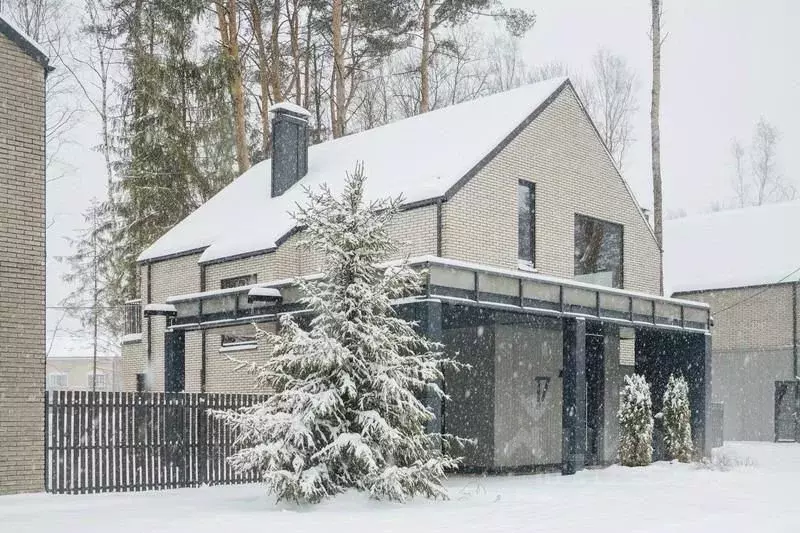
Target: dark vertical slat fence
x,y
126,441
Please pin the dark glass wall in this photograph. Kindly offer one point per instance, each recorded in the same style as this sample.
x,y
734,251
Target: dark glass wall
x,y
468,337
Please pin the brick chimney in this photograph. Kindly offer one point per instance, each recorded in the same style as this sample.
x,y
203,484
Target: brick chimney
x,y
289,146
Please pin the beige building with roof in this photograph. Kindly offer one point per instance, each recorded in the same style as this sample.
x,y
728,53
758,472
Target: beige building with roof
x,y
78,373
745,264
526,214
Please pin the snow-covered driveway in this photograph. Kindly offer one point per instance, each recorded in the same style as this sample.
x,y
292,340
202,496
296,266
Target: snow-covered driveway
x,y
662,497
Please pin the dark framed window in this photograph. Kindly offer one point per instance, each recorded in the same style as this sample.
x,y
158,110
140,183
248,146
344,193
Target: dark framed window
x,y
238,281
230,340
598,251
526,215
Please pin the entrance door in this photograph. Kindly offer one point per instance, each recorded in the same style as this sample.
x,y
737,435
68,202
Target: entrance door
x,y
785,411
174,361
528,395
595,399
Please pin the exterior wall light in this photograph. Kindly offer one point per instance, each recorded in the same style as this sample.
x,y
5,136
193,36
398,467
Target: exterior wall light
x,y
264,294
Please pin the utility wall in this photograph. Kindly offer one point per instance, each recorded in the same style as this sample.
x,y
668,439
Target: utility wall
x,y
752,348
22,274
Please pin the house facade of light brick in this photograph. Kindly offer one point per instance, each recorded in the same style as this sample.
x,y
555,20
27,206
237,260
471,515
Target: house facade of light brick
x,y
84,373
745,264
538,257
23,68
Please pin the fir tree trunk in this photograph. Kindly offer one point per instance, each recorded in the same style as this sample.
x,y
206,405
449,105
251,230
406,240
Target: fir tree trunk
x,y
294,26
338,70
655,132
307,65
424,70
229,32
263,74
275,51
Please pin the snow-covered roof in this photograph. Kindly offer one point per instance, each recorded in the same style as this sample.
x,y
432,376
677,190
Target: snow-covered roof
x,y
76,345
736,248
420,158
156,308
17,35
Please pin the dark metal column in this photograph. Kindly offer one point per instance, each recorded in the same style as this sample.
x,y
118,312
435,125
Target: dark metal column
x,y
573,418
707,438
430,321
698,376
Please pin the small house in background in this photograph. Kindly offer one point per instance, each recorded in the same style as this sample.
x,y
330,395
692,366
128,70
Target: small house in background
x,y
23,69
745,264
543,274
71,364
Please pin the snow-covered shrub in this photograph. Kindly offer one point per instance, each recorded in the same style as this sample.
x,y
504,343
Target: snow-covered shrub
x,y
677,420
635,422
722,461
346,410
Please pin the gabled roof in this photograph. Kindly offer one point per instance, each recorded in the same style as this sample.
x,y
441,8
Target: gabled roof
x,y
736,248
15,34
420,158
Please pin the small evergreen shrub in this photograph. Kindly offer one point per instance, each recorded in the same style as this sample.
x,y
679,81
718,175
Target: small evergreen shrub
x,y
677,420
636,422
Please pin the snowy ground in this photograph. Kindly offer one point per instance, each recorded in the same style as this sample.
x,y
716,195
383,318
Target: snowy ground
x,y
759,496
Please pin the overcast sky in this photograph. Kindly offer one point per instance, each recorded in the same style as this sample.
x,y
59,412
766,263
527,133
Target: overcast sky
x,y
725,64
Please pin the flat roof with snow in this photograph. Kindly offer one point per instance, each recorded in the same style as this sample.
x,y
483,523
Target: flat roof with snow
x,y
734,248
459,283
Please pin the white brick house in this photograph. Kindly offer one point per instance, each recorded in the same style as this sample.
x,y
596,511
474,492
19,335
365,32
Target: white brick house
x,y
511,189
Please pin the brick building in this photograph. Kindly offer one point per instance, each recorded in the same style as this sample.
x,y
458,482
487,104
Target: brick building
x,y
77,372
536,250
23,68
744,263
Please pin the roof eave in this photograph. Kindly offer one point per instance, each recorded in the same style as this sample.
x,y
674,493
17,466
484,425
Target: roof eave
x,y
505,142
24,42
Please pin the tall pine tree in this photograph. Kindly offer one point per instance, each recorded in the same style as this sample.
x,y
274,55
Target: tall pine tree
x,y
175,137
346,410
93,300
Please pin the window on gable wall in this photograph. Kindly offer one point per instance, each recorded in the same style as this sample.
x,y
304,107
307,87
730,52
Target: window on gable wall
x,y
598,251
526,210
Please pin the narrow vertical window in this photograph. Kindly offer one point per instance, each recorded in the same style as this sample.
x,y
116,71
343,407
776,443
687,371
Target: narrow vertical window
x,y
526,209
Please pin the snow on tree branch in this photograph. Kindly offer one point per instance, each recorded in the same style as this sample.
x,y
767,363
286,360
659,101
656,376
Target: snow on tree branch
x,y
346,410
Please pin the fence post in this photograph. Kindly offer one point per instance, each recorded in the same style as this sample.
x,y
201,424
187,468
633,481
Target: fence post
x,y
47,447
202,440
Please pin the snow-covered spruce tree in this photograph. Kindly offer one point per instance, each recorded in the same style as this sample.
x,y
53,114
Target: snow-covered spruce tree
x,y
677,420
635,422
346,412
